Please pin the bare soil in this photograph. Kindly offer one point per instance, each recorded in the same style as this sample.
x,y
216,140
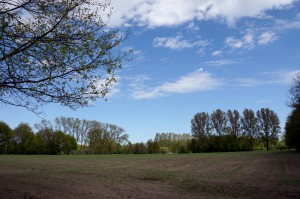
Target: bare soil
x,y
214,175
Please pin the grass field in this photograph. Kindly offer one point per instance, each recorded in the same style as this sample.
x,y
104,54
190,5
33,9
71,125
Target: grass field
x,y
210,175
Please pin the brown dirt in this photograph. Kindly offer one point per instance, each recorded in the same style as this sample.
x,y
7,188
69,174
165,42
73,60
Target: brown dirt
x,y
217,175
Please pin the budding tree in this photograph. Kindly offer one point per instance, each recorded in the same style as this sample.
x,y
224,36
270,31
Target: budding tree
x,y
56,52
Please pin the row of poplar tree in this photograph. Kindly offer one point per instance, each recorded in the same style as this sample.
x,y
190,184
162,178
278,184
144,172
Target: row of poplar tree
x,y
232,131
220,131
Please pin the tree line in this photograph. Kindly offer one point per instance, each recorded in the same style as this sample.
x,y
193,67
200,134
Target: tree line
x,y
22,140
232,131
215,132
63,136
219,131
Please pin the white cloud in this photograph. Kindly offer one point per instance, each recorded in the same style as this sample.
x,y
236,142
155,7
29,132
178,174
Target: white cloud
x,y
123,12
247,42
157,13
247,82
196,81
177,43
266,38
220,62
234,43
277,77
233,10
280,77
216,53
251,39
193,26
201,80
288,24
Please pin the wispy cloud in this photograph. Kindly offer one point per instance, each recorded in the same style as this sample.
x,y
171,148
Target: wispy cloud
x,y
280,77
177,43
246,42
246,82
196,81
192,26
277,77
266,38
282,25
251,39
220,62
200,80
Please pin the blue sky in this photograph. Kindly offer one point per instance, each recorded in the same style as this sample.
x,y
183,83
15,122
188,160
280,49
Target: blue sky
x,y
193,56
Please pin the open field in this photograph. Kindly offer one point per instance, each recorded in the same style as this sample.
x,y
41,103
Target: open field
x,y
211,175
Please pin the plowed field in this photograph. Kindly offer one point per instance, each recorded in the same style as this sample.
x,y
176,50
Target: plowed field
x,y
211,175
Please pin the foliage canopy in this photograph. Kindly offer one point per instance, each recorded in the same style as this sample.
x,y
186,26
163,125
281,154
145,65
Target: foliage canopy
x,y
292,126
56,52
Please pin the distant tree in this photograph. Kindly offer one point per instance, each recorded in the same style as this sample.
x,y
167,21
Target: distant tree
x,y
106,138
164,150
57,142
24,139
40,143
193,146
163,139
115,135
121,138
234,119
292,125
201,128
56,52
294,92
152,147
72,126
180,145
5,137
69,144
44,125
130,148
97,142
139,148
44,141
62,143
175,142
219,121
292,129
219,124
54,142
61,124
249,126
269,125
75,127
80,129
